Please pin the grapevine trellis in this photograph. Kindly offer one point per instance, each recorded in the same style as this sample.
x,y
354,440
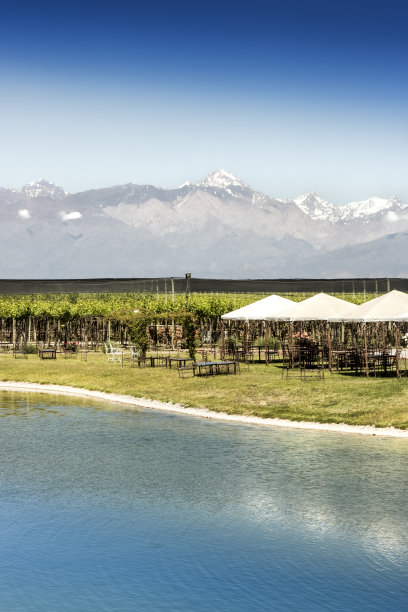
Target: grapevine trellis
x,y
96,318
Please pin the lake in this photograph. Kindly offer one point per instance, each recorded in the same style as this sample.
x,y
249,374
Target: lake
x,y
114,509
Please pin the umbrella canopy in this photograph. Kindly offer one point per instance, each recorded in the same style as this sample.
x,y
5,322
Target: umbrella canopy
x,y
402,318
319,307
387,307
260,310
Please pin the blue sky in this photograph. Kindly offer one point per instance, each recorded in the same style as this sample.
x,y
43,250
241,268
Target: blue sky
x,y
289,96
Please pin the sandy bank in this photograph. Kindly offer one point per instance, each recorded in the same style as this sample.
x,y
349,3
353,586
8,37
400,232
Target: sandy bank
x,y
141,402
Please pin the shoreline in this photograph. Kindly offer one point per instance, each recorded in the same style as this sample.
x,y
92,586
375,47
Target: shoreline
x,y
141,402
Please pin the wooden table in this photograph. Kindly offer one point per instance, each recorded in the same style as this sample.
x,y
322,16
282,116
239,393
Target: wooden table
x,y
303,373
161,360
210,368
48,353
180,361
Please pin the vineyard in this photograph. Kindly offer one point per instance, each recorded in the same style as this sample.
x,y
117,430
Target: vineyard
x,y
95,318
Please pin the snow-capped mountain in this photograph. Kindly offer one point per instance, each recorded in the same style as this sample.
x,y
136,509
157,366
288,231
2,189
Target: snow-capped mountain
x,y
43,189
372,206
226,185
222,180
316,207
320,209
313,205
219,226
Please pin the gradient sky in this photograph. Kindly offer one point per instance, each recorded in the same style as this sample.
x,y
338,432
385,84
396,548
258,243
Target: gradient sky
x,y
290,96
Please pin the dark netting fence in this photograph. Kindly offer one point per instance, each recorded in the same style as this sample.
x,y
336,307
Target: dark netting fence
x,y
203,285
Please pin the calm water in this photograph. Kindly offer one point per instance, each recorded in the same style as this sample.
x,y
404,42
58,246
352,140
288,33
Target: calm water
x,y
103,508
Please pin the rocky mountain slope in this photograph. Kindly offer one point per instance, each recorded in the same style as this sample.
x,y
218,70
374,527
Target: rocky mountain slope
x,y
216,227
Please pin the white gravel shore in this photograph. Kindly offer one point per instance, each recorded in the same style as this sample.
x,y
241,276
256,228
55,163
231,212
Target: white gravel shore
x,y
142,402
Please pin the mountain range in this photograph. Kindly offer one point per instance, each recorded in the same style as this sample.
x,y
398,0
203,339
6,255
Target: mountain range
x,y
218,227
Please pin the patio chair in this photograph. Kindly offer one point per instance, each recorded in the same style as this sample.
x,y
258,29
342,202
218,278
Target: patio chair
x,y
136,357
113,354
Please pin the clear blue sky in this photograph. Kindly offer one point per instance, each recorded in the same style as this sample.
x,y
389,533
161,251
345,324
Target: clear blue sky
x,y
290,96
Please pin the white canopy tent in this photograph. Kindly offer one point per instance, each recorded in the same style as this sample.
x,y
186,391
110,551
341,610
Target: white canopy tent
x,y
383,309
387,307
260,310
319,307
257,311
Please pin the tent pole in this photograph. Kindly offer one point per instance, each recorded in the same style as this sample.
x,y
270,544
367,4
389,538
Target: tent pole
x,y
246,340
266,341
222,339
383,335
329,346
397,351
365,348
292,347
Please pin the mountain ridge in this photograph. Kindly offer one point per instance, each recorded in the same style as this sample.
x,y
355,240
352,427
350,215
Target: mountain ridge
x,y
310,203
217,226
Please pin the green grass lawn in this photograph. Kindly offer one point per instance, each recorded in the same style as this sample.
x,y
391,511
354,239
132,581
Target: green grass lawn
x,y
258,390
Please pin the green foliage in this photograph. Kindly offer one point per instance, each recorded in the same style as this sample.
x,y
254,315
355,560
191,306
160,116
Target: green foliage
x,y
190,332
138,332
272,342
31,349
117,306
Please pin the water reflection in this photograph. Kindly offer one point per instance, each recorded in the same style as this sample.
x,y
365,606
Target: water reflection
x,y
268,497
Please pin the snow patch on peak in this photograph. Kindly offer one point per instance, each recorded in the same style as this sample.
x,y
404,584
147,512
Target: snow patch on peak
x,y
361,209
221,179
319,208
316,207
372,206
44,189
309,199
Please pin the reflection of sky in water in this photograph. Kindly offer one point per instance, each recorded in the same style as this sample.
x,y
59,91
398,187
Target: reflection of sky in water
x,y
240,496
